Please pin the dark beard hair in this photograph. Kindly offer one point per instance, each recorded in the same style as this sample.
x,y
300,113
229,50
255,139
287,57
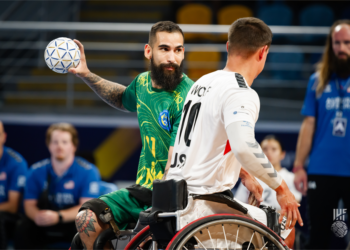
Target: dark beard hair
x,y
167,80
340,66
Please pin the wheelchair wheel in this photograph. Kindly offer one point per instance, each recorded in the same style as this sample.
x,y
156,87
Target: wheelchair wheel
x,y
139,241
226,231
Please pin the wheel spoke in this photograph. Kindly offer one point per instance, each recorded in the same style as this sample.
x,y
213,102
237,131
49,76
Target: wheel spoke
x,y
250,240
264,245
200,242
225,236
185,248
211,239
237,236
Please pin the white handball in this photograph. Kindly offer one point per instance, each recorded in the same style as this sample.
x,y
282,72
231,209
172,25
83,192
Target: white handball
x,y
62,54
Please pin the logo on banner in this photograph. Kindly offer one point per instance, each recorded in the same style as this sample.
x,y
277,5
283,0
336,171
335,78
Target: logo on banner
x,y
339,227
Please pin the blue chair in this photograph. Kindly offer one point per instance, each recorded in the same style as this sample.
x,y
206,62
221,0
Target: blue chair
x,y
284,63
276,14
107,187
316,15
346,13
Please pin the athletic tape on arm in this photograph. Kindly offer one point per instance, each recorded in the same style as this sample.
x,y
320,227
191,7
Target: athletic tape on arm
x,y
250,155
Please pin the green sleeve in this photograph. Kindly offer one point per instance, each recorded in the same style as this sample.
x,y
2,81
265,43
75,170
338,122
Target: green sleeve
x,y
176,122
129,96
175,126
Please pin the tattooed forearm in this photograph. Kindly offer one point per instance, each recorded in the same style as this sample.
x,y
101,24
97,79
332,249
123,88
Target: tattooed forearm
x,y
110,92
84,222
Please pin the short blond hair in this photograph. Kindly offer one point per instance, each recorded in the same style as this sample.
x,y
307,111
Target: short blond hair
x,y
66,127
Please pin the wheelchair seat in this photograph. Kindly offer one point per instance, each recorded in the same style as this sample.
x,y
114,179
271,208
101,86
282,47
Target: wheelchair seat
x,y
221,198
130,226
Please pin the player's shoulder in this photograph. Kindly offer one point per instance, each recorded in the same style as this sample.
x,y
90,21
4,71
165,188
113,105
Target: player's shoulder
x,y
83,164
14,156
142,78
40,165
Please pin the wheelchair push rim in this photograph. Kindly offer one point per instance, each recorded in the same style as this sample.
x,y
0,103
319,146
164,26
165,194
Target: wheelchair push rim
x,y
139,238
223,232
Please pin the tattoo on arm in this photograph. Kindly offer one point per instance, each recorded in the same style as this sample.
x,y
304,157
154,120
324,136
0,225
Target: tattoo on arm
x,y
110,92
85,223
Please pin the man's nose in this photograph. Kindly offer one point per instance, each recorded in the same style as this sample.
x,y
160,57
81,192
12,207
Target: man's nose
x,y
171,56
342,48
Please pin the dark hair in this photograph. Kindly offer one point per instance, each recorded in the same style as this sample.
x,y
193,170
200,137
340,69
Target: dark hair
x,y
166,26
247,35
275,138
324,69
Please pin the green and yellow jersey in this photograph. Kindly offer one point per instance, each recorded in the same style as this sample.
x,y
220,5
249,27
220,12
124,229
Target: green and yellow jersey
x,y
159,114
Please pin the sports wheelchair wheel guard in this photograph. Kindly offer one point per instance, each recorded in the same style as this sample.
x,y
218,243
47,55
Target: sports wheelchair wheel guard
x,y
226,231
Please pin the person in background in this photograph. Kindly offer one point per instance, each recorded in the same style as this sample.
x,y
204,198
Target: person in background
x,y
324,137
13,173
273,149
55,190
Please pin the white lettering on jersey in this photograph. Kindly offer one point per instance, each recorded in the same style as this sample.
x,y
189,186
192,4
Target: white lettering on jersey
x,y
64,198
2,190
334,102
94,188
21,181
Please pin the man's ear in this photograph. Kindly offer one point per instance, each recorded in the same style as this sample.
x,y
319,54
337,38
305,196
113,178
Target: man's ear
x,y
227,44
262,51
148,51
283,155
5,137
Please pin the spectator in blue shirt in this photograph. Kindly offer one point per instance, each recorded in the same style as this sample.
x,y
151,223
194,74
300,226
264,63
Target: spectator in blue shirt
x,y
13,172
324,138
55,190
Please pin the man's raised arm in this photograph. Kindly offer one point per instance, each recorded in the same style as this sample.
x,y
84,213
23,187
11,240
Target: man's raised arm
x,y
109,92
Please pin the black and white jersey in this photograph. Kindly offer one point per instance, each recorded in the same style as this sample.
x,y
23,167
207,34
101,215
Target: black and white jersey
x,y
215,101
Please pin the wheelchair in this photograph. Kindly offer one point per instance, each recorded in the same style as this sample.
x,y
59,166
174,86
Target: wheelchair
x,y
175,221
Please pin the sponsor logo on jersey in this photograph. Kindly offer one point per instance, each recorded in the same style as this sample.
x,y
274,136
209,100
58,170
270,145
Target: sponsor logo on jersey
x,y
163,120
69,185
94,188
236,112
312,184
2,190
3,176
21,181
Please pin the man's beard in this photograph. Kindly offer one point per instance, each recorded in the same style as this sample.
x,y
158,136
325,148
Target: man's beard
x,y
166,79
341,66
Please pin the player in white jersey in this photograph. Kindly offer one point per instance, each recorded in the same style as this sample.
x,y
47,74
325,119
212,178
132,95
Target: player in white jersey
x,y
221,106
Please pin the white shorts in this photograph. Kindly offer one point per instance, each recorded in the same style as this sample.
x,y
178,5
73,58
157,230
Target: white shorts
x,y
201,208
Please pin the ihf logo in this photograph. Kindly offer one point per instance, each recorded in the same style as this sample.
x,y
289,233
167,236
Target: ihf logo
x,y
339,227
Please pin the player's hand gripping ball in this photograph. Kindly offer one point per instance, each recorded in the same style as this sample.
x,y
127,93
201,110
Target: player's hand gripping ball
x,y
62,54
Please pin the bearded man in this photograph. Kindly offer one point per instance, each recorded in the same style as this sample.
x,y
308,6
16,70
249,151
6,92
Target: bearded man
x,y
324,135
